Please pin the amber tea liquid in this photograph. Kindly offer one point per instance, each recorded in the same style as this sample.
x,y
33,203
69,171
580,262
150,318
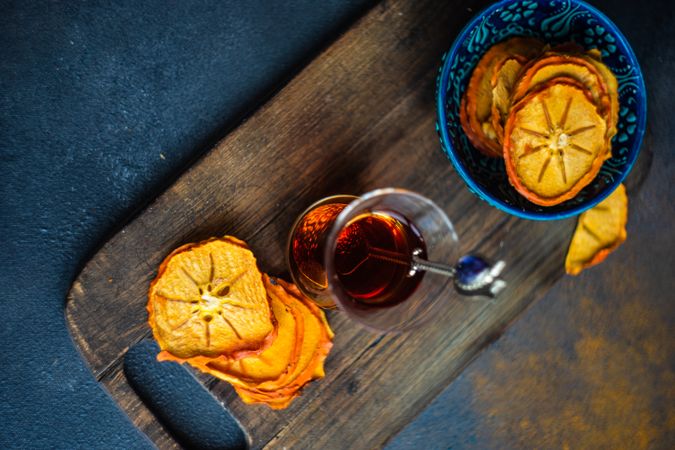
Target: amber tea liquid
x,y
372,258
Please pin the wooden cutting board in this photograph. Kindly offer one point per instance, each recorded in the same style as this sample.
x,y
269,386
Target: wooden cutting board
x,y
358,117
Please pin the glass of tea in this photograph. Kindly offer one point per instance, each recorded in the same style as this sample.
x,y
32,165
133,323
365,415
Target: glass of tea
x,y
370,256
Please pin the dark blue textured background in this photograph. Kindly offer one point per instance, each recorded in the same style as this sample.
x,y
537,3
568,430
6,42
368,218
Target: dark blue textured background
x,y
101,104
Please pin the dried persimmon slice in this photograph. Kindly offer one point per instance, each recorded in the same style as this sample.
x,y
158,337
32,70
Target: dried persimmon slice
x,y
271,365
554,142
594,57
314,369
295,291
613,91
473,137
600,230
478,94
315,346
503,81
594,75
555,65
207,300
316,339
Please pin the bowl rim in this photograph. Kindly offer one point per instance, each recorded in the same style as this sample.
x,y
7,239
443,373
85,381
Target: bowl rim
x,y
449,149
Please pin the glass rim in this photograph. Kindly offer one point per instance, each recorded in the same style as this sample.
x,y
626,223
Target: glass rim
x,y
322,201
343,219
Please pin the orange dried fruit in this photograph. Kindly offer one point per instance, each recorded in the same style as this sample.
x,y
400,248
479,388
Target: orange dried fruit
x,y
209,306
208,300
613,91
316,339
594,53
503,80
269,366
295,291
554,142
581,68
609,100
556,65
315,344
600,230
478,96
470,134
277,375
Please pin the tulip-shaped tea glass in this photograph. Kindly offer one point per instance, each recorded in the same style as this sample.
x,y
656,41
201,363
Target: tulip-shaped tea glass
x,y
382,258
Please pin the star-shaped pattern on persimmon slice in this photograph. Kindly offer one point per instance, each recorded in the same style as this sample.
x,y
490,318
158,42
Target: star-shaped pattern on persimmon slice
x,y
211,300
557,139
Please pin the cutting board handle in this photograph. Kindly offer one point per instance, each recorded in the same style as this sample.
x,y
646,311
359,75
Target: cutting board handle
x,y
191,414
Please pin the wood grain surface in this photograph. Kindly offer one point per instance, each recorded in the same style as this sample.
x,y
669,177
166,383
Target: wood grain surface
x,y
358,117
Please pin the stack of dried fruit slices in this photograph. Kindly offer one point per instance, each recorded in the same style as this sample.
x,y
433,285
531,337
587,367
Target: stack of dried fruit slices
x,y
211,307
550,112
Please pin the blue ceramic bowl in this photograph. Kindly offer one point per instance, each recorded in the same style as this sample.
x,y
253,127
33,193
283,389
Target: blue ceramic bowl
x,y
553,21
